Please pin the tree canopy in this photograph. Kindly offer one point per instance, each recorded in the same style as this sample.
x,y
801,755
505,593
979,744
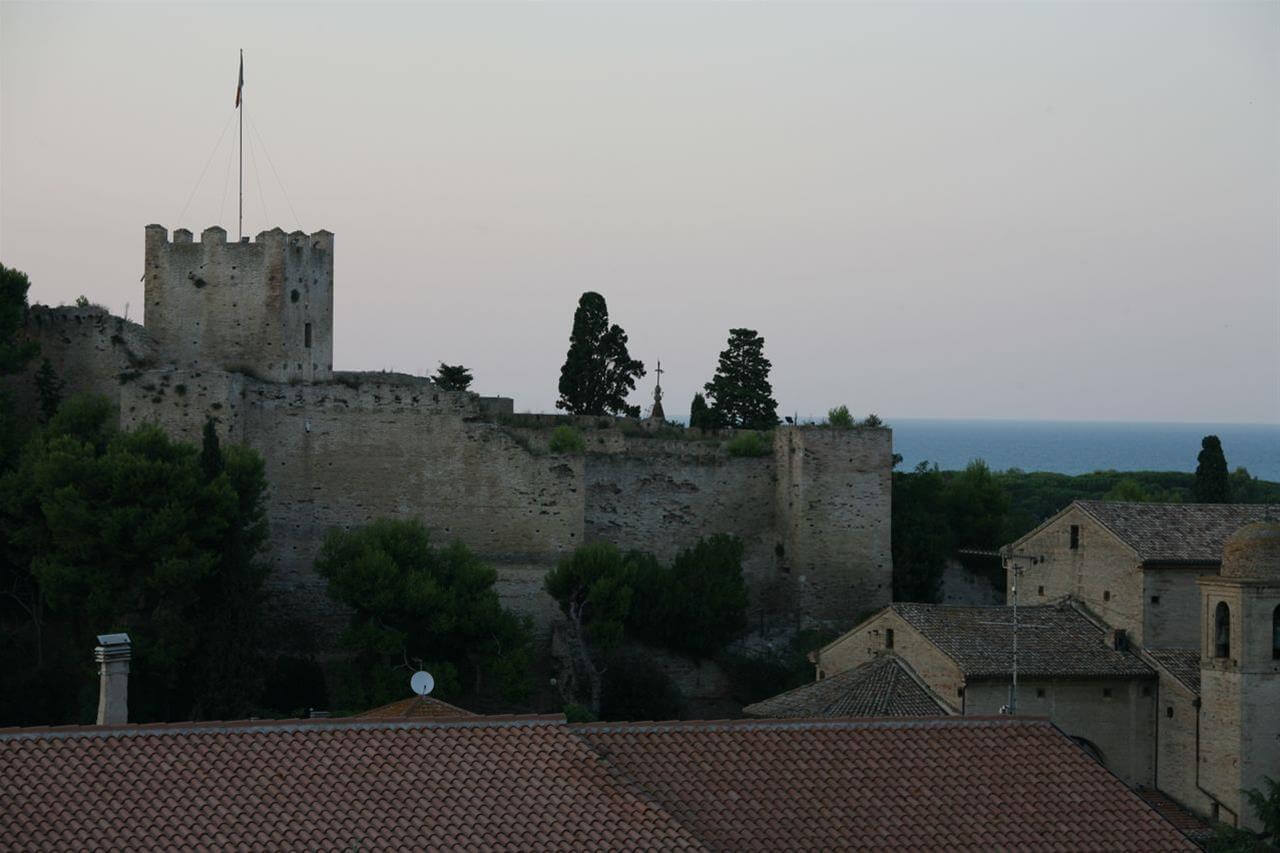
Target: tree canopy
x,y
1212,483
127,531
416,606
598,372
740,393
15,352
693,607
452,377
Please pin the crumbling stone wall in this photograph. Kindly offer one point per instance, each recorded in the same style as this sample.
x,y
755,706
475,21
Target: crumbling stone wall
x,y
91,350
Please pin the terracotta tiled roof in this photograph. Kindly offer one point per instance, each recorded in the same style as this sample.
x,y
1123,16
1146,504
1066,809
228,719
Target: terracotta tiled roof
x,y
1187,822
1177,533
490,782
885,687
955,783
1053,640
415,708
1182,664
536,783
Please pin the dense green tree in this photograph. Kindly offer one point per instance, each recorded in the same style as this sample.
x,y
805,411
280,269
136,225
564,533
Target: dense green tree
x,y
598,372
921,535
1128,489
15,352
1245,488
452,377
416,606
699,413
122,531
49,387
1212,484
593,586
740,393
698,604
840,418
976,507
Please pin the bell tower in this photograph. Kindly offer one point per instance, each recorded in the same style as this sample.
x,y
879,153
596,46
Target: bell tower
x,y
1240,671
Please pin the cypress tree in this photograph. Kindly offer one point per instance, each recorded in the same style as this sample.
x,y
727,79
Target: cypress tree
x,y
598,372
1212,485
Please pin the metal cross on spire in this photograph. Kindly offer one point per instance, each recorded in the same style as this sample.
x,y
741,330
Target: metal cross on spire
x,y
657,394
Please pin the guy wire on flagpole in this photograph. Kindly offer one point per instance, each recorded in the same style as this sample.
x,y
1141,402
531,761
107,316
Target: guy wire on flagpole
x,y
240,107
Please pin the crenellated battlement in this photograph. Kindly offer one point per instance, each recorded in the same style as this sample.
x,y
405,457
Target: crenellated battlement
x,y
263,305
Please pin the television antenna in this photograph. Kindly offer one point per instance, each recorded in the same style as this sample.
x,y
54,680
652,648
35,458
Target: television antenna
x,y
422,683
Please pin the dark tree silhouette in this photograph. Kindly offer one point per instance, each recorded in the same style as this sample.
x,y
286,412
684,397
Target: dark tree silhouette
x,y
740,391
1212,484
598,371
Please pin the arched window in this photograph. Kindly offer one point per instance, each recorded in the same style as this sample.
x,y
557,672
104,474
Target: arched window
x,y
1275,633
1222,631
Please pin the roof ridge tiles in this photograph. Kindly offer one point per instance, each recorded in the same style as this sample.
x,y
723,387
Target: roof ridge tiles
x,y
293,726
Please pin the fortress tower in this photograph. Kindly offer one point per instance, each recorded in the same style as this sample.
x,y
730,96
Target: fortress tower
x,y
263,307
1240,671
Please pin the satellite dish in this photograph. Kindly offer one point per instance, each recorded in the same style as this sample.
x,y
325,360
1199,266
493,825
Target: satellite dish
x,y
422,683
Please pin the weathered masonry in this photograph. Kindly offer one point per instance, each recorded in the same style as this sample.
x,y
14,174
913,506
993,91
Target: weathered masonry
x,y
243,333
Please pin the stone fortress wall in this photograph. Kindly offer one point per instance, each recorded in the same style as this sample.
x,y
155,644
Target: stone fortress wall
x,y
343,449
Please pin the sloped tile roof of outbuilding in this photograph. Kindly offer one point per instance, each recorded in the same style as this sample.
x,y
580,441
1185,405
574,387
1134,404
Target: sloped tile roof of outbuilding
x,y
1182,664
954,783
885,687
539,784
1053,640
1177,533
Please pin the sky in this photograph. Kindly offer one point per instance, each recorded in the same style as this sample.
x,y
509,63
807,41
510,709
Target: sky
x,y
999,210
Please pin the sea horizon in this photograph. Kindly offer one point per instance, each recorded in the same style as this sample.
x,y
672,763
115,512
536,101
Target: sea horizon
x,y
1082,447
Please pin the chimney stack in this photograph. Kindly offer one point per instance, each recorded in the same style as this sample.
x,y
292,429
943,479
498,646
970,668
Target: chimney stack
x,y
113,654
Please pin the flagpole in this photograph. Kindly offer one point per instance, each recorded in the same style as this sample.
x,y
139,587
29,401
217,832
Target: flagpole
x,y
240,107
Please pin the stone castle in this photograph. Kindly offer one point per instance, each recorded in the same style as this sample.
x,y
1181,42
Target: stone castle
x,y
243,333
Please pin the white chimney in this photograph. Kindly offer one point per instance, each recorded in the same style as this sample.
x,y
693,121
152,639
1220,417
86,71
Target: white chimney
x,y
113,654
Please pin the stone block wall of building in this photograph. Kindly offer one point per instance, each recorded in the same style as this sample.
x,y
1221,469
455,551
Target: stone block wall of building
x,y
263,307
1100,571
1117,716
834,490
870,640
1172,616
1240,694
1177,713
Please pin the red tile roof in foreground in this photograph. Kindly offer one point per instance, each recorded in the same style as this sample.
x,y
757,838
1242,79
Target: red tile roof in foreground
x,y
343,784
537,783
953,783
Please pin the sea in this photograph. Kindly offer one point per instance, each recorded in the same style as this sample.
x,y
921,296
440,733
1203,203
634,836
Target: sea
x,y
1082,447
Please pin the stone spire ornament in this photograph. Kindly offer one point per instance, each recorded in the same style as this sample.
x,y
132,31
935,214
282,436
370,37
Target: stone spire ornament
x,y
657,414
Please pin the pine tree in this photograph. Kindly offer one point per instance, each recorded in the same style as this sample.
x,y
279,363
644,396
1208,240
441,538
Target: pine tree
x,y
740,391
210,452
1212,485
452,377
699,414
598,371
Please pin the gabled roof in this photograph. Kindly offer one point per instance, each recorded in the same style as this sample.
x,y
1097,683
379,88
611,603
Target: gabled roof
x,y
953,783
536,783
1182,664
415,708
884,687
1054,640
1176,533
